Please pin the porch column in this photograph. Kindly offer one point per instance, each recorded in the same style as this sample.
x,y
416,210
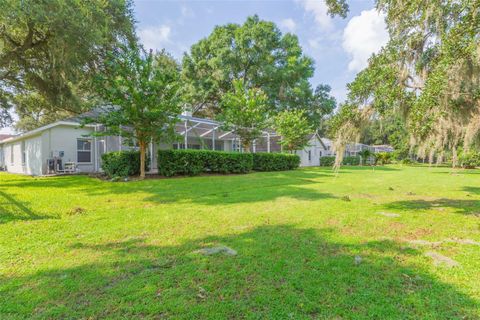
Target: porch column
x,y
268,142
254,146
213,139
185,138
150,146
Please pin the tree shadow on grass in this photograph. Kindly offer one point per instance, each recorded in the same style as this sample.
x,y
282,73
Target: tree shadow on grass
x,y
466,207
207,190
280,272
11,210
473,190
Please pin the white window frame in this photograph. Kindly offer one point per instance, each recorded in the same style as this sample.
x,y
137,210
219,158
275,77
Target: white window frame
x,y
78,150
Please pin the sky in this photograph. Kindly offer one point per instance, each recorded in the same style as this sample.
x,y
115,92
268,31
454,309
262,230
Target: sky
x,y
339,47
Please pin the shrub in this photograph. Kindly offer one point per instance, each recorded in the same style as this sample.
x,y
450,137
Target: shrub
x,y
383,158
406,161
275,161
122,163
347,161
194,162
351,161
470,160
327,161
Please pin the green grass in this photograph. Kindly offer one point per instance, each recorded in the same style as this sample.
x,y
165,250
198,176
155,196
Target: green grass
x,y
75,247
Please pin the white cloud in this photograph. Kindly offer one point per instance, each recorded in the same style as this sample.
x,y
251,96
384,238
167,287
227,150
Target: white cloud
x,y
320,12
288,24
364,34
186,11
155,37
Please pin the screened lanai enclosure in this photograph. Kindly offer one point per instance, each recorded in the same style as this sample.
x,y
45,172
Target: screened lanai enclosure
x,y
205,134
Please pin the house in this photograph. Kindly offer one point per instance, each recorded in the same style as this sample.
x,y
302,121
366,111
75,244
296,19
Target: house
x,y
66,146
382,148
311,154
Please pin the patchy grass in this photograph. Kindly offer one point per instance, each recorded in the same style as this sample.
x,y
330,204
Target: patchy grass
x,y
309,245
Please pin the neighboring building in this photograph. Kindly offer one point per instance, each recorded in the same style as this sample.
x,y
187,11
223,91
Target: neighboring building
x,y
382,148
66,146
310,156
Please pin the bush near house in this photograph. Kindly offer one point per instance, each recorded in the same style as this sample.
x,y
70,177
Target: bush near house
x,y
194,162
275,161
383,158
470,160
327,161
351,161
122,163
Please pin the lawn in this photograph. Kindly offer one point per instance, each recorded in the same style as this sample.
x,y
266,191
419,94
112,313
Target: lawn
x,y
386,243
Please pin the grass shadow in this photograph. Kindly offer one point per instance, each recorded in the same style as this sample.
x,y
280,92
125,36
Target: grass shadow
x,y
466,207
280,272
12,210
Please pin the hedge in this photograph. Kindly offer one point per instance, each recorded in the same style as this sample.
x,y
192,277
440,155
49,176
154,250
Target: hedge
x,y
275,161
470,160
347,161
122,163
194,162
327,161
351,161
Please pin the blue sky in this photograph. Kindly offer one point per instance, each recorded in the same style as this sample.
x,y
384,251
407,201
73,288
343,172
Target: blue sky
x,y
339,47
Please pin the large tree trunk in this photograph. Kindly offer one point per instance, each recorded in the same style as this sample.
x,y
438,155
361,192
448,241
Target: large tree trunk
x,y
142,158
246,146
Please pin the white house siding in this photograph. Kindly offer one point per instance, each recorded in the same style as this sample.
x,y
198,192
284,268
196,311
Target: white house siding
x,y
14,162
315,148
64,138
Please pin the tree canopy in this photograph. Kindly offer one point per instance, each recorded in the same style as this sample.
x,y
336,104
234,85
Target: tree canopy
x,y
429,73
245,111
143,90
294,128
49,52
256,53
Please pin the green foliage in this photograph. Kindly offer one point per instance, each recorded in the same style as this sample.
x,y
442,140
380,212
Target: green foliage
x,y
327,161
294,128
351,161
389,129
320,106
143,88
275,161
49,52
121,164
255,52
382,158
245,111
364,156
194,162
428,73
407,161
470,159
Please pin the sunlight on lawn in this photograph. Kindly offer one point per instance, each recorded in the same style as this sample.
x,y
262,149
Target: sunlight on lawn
x,y
367,243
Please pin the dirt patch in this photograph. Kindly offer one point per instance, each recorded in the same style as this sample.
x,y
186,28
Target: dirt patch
x,y
389,214
76,210
216,250
441,260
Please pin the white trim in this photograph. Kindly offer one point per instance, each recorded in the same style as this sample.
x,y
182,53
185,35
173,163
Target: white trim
x,y
38,130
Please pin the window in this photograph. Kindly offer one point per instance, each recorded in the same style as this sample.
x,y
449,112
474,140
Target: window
x,y
24,153
84,150
11,154
320,153
309,155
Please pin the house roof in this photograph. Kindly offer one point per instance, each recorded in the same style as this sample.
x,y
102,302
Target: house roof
x,y
5,136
